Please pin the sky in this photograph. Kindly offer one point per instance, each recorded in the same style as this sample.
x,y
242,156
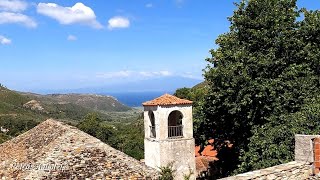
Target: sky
x,y
61,44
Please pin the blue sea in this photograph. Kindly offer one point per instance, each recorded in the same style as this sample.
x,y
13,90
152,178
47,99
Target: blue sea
x,y
135,99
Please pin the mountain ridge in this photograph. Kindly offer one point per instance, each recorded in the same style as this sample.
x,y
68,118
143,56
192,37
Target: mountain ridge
x,y
97,102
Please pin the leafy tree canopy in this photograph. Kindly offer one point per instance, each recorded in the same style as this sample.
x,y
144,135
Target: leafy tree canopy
x,y
127,138
260,78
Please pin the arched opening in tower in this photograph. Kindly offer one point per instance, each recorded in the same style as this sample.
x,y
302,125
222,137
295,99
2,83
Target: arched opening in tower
x,y
152,126
175,127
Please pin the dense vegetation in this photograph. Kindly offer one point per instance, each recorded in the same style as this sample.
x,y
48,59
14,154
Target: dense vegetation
x,y
126,137
13,116
89,101
263,85
197,95
73,107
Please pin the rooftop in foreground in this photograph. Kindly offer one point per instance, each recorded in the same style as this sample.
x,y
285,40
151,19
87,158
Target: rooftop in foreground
x,y
166,99
54,150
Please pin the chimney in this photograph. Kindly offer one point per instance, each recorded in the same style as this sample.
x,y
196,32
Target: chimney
x,y
316,152
307,150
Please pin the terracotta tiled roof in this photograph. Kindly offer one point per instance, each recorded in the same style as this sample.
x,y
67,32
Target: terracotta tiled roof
x,y
208,150
54,150
167,99
203,163
196,151
207,155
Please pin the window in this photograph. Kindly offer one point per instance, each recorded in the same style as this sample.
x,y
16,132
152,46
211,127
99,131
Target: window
x,y
175,127
152,126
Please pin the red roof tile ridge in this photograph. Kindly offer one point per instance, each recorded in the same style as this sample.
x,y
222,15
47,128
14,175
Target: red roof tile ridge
x,y
167,99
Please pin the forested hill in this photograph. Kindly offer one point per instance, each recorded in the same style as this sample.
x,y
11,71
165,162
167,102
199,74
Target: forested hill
x,y
22,107
21,111
14,118
108,120
90,101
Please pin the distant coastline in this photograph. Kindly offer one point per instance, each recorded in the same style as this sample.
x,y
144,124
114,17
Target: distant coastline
x,y
135,99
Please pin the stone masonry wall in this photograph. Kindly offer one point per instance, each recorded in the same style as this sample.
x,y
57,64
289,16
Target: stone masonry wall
x,y
303,150
291,170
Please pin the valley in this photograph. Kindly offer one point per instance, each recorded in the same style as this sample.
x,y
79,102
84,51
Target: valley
x,y
20,111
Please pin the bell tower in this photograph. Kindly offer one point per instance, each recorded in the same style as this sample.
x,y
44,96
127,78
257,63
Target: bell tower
x,y
169,135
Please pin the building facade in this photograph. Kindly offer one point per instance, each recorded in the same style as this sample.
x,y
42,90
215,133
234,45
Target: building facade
x,y
169,138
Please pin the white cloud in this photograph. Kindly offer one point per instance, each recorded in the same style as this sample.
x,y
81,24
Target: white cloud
x,y
72,38
110,75
17,18
192,76
156,73
4,40
77,14
165,73
13,5
146,74
118,22
133,74
149,5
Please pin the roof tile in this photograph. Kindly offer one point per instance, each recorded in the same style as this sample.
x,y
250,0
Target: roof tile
x,y
166,99
55,150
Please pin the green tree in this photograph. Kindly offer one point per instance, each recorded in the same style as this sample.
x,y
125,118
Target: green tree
x,y
183,93
128,138
263,68
197,95
277,135
90,124
273,143
93,125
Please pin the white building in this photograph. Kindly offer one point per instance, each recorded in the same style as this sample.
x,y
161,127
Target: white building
x,y
169,135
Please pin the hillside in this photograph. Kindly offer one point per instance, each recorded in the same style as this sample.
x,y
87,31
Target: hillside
x,y
76,106
90,101
21,111
11,105
13,116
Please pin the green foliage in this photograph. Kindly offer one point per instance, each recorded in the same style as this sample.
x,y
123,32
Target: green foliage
x,y
184,93
11,97
127,138
259,80
130,138
93,125
16,125
273,143
3,137
197,95
89,101
167,172
188,176
73,107
66,111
